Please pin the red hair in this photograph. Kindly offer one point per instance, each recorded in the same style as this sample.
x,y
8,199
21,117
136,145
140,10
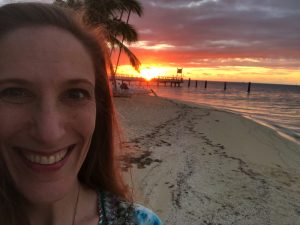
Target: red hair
x,y
99,170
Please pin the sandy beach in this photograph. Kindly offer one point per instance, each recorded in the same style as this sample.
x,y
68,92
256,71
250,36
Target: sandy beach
x,y
196,165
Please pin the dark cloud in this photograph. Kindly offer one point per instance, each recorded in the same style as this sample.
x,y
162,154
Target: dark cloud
x,y
221,28
187,32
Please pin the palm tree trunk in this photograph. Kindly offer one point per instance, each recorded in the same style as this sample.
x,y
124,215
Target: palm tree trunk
x,y
120,51
121,16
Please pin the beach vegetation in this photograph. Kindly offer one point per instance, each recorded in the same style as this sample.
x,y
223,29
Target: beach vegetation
x,y
113,16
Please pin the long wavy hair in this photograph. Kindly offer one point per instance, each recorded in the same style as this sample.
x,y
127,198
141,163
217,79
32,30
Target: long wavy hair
x,y
99,170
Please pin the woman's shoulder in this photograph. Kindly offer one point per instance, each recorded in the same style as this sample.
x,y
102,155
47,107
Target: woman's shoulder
x,y
145,216
117,211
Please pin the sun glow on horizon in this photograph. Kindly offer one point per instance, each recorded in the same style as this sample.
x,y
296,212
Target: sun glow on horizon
x,y
255,74
151,72
146,71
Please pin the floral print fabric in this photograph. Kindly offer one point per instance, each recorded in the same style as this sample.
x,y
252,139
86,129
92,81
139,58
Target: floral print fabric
x,y
114,211
145,216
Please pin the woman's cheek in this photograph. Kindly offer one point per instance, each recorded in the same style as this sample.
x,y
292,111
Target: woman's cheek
x,y
11,120
84,122
84,118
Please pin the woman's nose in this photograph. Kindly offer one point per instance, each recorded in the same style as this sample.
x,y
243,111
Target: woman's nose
x,y
48,127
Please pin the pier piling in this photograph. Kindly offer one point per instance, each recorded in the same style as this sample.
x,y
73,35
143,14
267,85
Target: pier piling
x,y
174,81
249,88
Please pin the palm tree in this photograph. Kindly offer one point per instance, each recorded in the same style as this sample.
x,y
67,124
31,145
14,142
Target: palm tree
x,y
109,14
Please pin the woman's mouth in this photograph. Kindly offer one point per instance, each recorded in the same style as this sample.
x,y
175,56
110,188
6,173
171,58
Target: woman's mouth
x,y
44,161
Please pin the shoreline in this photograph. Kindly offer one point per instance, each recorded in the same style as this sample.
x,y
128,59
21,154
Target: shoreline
x,y
199,165
294,138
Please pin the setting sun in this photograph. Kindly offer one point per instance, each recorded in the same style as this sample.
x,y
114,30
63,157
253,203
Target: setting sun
x,y
146,71
150,73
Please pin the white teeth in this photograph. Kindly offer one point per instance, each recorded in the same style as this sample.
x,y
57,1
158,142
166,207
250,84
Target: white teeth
x,y
52,159
46,160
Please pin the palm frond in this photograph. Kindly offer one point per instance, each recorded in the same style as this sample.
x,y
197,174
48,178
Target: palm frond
x,y
108,14
60,3
133,6
73,4
120,28
134,61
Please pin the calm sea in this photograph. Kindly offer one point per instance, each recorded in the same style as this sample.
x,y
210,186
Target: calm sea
x,y
277,106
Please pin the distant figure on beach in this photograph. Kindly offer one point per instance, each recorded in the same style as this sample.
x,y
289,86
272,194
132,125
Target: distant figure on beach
x,y
124,86
57,162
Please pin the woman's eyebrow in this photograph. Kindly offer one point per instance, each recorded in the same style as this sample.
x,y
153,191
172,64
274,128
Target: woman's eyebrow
x,y
79,81
14,81
26,82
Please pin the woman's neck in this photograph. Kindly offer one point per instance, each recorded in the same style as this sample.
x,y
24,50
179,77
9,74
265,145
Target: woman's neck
x,y
80,205
58,212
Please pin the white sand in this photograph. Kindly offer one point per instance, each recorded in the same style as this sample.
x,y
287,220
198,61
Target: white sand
x,y
195,165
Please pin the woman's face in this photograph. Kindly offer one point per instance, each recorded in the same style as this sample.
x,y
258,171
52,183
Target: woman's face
x,y
47,110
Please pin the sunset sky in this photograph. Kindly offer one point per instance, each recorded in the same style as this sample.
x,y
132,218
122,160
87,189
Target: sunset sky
x,y
225,40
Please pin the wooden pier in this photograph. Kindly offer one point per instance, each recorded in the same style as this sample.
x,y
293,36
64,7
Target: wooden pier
x,y
129,79
173,81
206,83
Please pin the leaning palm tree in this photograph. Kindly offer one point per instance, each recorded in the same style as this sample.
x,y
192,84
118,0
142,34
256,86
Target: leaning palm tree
x,y
109,14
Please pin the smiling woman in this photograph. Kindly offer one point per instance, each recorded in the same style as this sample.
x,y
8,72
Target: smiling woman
x,y
57,162
40,108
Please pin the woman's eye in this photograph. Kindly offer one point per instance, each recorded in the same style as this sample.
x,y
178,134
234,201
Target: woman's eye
x,y
78,95
16,95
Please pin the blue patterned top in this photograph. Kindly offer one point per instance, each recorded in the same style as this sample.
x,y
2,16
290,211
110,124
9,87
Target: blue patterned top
x,y
115,211
145,216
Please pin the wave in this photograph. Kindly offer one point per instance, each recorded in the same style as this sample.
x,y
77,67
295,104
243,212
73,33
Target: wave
x,y
277,106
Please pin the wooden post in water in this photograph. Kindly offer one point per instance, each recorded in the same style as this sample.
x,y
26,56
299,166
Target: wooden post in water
x,y
249,88
225,86
205,84
189,83
196,84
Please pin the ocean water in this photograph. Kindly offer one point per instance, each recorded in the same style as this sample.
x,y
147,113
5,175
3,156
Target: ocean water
x,y
276,106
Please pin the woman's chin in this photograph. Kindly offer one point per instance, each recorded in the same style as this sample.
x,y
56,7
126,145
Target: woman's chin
x,y
47,193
